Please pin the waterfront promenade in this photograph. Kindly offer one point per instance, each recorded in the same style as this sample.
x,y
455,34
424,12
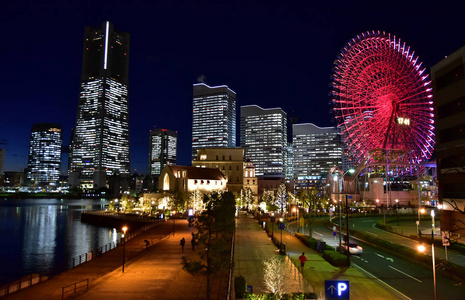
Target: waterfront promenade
x,y
156,272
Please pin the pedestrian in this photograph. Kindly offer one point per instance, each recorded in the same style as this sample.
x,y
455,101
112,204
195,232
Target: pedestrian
x,y
183,242
302,259
193,243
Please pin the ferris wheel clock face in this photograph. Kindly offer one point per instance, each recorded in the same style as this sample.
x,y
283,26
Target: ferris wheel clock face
x,y
382,99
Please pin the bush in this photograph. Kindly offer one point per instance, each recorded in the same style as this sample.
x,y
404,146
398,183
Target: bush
x,y
240,286
335,258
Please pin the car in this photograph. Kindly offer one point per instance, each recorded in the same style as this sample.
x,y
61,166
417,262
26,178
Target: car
x,y
354,248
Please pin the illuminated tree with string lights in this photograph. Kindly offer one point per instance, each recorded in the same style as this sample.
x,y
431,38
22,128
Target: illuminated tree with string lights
x,y
382,99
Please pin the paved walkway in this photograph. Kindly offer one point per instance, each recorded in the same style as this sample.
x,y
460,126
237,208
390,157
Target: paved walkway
x,y
152,273
252,247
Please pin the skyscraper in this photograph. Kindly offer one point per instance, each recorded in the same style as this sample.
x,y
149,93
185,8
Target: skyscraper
x,y
44,161
100,143
2,160
316,150
448,77
264,139
163,149
214,117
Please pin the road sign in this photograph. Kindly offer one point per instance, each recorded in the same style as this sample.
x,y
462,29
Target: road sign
x,y
334,228
337,289
334,233
445,238
350,197
281,226
249,289
272,219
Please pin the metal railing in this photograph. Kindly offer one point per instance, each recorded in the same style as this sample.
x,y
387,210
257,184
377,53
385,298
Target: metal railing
x,y
77,287
21,284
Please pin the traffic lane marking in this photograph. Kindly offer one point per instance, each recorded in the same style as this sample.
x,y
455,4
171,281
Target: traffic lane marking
x,y
371,233
318,233
389,286
405,274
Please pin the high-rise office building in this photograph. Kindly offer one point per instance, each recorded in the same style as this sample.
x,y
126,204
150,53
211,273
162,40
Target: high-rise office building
x,y
44,161
264,139
100,142
163,149
448,77
316,150
214,117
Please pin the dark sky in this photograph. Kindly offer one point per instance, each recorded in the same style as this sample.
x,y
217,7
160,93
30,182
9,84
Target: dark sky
x,y
273,54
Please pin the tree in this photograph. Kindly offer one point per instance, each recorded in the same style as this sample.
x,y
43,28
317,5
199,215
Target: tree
x,y
247,196
282,197
269,198
310,198
275,276
196,200
215,227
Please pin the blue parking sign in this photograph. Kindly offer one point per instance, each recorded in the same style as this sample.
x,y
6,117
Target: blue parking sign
x,y
337,290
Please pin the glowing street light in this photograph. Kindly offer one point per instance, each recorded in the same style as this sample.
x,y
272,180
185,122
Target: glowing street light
x,y
124,245
337,178
422,248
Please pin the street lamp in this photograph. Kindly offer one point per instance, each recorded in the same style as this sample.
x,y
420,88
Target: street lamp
x,y
174,213
351,171
272,225
422,248
124,245
384,203
281,227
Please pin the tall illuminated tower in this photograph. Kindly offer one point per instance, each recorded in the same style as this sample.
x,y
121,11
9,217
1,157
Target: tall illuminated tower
x,y
44,161
214,117
264,139
100,144
163,149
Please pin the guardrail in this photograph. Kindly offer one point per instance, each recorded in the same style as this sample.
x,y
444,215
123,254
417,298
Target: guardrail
x,y
75,288
21,284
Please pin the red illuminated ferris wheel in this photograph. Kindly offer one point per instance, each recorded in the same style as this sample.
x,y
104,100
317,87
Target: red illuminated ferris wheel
x,y
382,99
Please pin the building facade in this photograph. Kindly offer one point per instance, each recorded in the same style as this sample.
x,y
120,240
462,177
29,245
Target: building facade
x,y
316,151
100,142
264,139
213,117
44,162
230,161
448,77
163,149
188,179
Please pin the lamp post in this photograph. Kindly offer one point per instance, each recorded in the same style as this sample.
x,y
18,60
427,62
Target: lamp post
x,y
384,203
432,253
272,225
174,222
422,248
124,245
339,203
281,227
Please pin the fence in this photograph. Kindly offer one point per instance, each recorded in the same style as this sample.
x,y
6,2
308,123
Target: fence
x,y
75,288
21,284
75,261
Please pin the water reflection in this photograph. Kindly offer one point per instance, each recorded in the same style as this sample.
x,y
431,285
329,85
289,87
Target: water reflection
x,y
43,235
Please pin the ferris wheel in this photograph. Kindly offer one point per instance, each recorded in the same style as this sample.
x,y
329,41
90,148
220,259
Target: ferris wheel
x,y
382,99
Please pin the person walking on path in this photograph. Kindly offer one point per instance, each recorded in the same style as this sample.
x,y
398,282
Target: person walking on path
x,y
193,243
302,259
183,242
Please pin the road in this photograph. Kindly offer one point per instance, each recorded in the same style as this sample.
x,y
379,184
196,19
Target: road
x,y
367,225
409,280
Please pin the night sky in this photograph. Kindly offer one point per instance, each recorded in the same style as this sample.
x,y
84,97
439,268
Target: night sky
x,y
272,54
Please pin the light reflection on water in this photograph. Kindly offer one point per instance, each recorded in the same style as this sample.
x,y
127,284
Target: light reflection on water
x,y
43,235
